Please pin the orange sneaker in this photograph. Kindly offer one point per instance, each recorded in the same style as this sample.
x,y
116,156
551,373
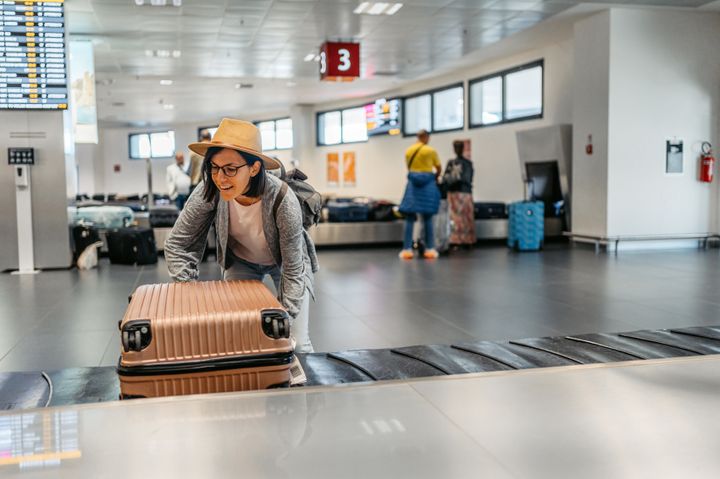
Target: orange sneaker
x,y
406,254
431,254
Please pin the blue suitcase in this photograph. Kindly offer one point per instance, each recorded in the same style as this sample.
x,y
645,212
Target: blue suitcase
x,y
526,225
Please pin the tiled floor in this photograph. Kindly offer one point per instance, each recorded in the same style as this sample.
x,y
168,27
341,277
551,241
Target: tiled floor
x,y
369,299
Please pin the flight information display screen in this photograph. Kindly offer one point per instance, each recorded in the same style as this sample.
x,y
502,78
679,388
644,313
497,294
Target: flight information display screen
x,y
33,75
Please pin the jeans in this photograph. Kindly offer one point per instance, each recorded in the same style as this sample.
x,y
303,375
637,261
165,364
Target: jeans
x,y
299,326
429,233
180,201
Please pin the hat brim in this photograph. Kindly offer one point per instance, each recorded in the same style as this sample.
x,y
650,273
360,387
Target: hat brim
x,y
201,149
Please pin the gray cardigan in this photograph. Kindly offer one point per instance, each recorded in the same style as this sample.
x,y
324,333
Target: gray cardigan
x,y
289,243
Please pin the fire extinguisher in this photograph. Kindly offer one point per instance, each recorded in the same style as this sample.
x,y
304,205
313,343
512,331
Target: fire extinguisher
x,y
707,163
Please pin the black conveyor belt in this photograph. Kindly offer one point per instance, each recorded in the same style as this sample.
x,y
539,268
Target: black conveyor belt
x,y
381,364
584,353
700,331
632,346
23,390
451,360
323,370
693,344
515,356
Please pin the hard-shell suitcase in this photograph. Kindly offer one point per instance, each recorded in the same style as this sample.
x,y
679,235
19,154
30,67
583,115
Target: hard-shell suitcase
x,y
131,246
526,225
204,337
163,216
489,211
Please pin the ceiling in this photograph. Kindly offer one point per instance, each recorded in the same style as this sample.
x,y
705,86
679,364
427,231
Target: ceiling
x,y
261,45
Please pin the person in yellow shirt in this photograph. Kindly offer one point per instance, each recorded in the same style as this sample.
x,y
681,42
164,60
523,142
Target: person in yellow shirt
x,y
422,195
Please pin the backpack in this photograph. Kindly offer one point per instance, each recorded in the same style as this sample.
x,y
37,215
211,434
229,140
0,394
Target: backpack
x,y
310,200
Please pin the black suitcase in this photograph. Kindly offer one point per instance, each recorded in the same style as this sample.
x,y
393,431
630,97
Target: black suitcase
x,y
82,237
163,216
490,211
382,211
132,246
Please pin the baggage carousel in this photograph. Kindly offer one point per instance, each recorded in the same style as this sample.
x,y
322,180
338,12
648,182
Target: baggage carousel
x,y
29,390
641,419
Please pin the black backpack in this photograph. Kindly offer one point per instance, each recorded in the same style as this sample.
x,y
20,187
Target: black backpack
x,y
310,200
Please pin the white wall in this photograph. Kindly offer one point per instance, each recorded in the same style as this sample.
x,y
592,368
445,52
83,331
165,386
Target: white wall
x,y
590,117
132,178
381,169
664,83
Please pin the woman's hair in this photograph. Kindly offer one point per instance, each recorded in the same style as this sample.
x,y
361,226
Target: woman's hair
x,y
459,147
257,182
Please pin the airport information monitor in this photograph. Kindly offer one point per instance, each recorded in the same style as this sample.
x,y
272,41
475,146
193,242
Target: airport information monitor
x,y
33,72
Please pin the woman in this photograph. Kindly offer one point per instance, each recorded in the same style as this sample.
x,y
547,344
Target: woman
x,y
253,240
458,178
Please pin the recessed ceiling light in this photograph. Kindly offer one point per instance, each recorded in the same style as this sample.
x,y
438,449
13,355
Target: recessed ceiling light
x,y
360,8
309,57
168,106
176,53
166,82
377,8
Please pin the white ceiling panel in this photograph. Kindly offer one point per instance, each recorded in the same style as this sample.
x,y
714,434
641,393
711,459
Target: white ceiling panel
x,y
264,42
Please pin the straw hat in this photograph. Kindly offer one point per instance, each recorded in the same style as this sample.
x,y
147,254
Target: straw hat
x,y
237,135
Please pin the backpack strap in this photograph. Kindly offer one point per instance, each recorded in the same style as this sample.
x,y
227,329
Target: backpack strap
x,y
413,156
278,199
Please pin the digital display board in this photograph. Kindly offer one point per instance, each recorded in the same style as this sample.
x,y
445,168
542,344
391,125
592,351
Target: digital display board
x,y
33,75
383,117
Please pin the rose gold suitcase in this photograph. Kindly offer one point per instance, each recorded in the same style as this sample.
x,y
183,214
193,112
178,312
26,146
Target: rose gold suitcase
x,y
203,337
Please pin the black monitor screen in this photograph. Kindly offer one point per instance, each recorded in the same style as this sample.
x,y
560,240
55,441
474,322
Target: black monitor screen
x,y
383,117
545,183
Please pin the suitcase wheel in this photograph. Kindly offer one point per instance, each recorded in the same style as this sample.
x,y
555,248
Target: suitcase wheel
x,y
276,324
136,336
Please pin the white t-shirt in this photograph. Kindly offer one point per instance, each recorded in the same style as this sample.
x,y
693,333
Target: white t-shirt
x,y
247,238
178,181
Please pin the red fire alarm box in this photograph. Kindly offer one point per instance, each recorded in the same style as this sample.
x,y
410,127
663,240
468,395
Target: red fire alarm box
x,y
116,168
339,61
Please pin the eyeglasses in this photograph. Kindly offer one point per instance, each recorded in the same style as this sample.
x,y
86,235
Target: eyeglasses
x,y
228,170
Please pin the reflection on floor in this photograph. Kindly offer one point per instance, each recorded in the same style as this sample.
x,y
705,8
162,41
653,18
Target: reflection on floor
x,y
369,299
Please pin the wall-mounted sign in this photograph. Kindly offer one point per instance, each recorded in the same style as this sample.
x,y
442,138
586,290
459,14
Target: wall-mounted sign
x,y
32,55
349,169
21,156
333,169
339,61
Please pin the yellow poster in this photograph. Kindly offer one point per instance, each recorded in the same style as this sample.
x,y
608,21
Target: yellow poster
x,y
333,169
349,170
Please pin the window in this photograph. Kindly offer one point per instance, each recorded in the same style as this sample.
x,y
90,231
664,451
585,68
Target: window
x,y
448,108
159,144
417,114
511,95
276,134
438,110
354,126
342,126
206,129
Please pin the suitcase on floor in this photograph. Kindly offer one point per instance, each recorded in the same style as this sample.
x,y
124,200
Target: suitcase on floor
x,y
82,237
346,212
131,246
490,211
163,216
526,225
203,337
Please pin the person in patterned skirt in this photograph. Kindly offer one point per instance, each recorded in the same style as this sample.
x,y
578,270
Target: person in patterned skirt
x,y
458,177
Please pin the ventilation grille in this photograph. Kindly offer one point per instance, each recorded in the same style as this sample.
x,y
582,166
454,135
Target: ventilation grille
x,y
35,135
